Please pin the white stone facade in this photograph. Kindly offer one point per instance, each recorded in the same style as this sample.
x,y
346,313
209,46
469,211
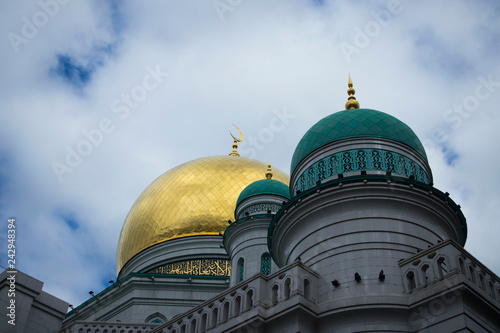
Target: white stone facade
x,y
251,304
245,241
140,298
289,301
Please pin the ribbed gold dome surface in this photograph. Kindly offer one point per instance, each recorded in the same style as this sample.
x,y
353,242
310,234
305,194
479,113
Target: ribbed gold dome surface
x,y
194,198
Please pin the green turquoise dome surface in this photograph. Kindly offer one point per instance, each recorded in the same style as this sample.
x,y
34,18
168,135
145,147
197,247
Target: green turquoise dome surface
x,y
264,186
355,123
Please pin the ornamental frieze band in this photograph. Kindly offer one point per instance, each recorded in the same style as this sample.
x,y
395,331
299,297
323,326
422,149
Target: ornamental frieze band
x,y
198,267
260,208
359,160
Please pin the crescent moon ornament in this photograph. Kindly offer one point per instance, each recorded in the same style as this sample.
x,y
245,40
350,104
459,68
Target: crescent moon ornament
x,y
235,143
241,134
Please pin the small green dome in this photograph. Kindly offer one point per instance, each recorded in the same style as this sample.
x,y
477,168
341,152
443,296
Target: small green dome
x,y
354,124
264,186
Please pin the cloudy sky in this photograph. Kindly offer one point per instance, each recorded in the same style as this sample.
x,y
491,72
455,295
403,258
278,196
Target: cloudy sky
x,y
99,98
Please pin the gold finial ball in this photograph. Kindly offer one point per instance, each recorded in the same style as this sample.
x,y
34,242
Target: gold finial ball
x,y
269,174
352,103
234,152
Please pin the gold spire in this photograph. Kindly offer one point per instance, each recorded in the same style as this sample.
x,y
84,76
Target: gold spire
x,y
352,103
235,143
269,173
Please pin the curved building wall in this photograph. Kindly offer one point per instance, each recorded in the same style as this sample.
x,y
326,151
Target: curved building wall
x,y
176,250
246,243
362,227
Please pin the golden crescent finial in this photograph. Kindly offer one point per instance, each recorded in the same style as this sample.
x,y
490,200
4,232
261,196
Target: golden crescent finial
x,y
235,143
241,134
269,173
352,103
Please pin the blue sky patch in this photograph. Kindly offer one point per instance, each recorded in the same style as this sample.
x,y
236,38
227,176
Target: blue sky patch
x,y
70,220
78,70
72,223
117,19
318,2
72,72
450,154
433,53
6,166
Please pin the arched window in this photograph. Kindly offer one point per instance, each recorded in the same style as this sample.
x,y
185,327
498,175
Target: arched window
x,y
215,314
249,302
193,326
156,318
274,294
265,264
225,312
287,288
203,324
442,267
462,266
307,289
472,274
492,290
481,282
424,273
410,279
241,269
237,306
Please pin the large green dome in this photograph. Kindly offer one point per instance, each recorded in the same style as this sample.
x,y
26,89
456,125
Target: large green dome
x,y
354,124
264,186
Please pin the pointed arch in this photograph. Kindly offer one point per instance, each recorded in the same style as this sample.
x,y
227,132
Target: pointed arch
x,y
156,318
241,269
265,263
274,294
307,288
288,287
411,282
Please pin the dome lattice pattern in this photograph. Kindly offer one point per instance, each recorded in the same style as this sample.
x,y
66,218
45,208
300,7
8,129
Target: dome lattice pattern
x,y
355,123
264,186
195,198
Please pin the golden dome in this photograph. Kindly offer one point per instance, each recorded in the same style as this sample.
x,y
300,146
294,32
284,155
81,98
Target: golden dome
x,y
194,198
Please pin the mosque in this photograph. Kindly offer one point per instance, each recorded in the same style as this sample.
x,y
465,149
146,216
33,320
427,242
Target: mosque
x,y
356,239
